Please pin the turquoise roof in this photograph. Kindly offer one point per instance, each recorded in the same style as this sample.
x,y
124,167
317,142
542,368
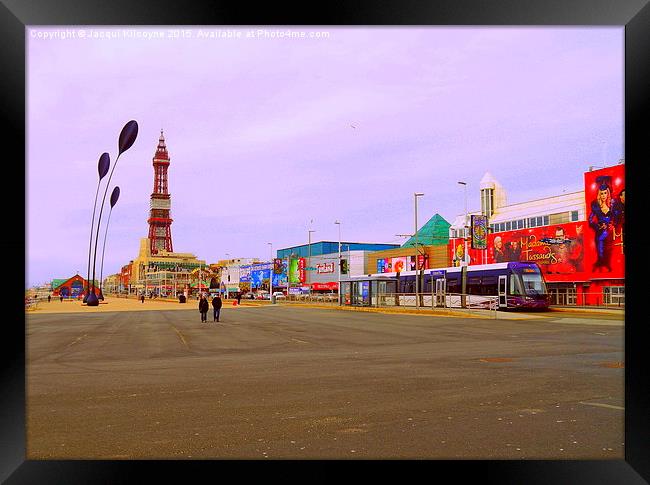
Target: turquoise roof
x,y
434,233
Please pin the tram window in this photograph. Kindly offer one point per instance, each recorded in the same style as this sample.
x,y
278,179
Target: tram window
x,y
452,285
489,285
515,285
474,285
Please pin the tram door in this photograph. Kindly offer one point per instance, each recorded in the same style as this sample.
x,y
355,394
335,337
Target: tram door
x,y
502,291
441,290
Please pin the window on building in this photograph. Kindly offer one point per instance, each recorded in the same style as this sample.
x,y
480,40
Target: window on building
x,y
614,295
574,216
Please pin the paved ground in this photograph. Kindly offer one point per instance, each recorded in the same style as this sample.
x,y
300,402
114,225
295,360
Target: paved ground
x,y
291,382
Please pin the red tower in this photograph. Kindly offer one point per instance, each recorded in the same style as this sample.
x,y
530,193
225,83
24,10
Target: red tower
x,y
160,222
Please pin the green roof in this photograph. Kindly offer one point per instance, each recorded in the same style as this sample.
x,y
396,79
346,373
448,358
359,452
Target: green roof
x,y
434,233
59,281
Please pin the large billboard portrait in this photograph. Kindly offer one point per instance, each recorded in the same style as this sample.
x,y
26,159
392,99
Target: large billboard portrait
x,y
605,211
457,252
557,249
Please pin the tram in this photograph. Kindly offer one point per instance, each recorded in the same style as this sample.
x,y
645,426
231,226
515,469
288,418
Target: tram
x,y
511,285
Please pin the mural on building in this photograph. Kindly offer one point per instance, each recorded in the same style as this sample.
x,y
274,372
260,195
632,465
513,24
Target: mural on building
x,y
605,206
402,263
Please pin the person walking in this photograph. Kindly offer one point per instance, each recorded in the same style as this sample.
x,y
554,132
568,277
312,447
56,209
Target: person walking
x,y
216,304
142,298
239,298
203,308
49,298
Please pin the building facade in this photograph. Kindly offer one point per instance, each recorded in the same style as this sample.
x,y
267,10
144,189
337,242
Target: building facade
x,y
577,239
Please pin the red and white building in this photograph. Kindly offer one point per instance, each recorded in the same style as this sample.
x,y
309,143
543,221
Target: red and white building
x,y
576,238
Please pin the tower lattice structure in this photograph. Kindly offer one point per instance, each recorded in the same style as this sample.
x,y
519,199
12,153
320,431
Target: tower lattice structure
x,y
160,222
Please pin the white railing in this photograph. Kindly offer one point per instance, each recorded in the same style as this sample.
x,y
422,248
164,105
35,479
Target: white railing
x,y
453,302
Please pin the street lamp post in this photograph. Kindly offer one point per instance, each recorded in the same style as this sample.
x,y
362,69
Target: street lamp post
x,y
338,223
464,184
271,274
417,253
227,290
309,257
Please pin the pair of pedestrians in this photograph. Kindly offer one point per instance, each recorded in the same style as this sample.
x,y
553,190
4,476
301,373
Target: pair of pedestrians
x,y
204,307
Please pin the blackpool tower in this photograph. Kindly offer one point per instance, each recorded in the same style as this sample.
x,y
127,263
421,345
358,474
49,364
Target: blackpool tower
x,y
160,222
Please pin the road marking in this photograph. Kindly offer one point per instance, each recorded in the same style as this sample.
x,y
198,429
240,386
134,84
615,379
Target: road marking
x,y
76,340
610,406
298,340
180,335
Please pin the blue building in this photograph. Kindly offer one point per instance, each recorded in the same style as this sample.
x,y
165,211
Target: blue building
x,y
330,247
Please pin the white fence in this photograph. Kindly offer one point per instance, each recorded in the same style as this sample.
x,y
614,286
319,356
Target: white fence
x,y
470,303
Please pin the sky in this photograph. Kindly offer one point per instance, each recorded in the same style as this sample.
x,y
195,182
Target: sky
x,y
273,131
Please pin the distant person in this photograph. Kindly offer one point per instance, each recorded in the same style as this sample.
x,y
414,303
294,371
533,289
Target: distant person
x,y
49,298
239,297
216,304
61,298
203,308
141,298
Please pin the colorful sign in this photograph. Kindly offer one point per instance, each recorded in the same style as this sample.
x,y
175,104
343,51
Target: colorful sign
x,y
260,278
294,276
605,231
245,273
302,273
323,268
400,264
479,231
280,279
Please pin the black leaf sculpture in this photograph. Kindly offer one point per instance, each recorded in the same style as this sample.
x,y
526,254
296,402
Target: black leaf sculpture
x,y
102,168
126,139
115,195
103,165
128,135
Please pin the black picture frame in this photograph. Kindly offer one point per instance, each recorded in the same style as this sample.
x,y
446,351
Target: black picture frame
x,y
634,15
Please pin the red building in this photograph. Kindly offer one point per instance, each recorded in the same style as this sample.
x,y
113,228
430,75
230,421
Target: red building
x,y
577,239
125,276
71,288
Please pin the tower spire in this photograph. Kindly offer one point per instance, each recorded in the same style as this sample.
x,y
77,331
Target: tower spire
x,y
160,235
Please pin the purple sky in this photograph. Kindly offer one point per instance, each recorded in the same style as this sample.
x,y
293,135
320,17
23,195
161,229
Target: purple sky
x,y
260,138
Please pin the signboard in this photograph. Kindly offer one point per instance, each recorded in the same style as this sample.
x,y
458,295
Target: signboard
x,y
325,268
302,273
558,249
294,276
403,263
605,230
479,231
245,273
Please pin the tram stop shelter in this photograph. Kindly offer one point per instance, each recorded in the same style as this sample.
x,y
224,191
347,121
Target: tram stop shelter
x,y
366,290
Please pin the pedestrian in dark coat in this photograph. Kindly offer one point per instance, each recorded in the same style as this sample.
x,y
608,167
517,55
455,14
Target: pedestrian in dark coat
x,y
216,304
203,308
239,297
